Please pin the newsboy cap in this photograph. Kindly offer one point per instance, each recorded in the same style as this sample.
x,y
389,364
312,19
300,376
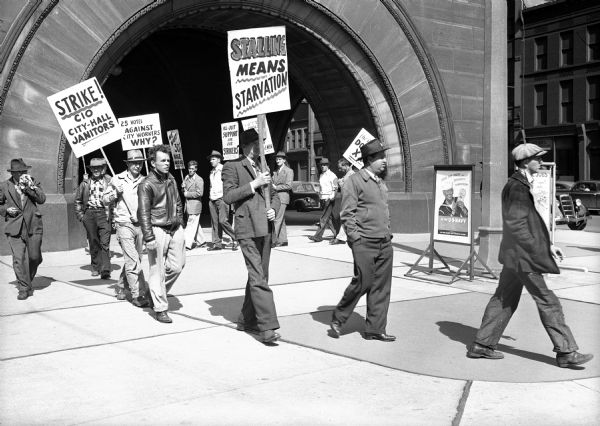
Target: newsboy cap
x,y
371,147
527,150
214,153
135,155
18,165
97,162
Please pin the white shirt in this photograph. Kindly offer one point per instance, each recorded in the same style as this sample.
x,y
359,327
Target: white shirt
x,y
127,201
216,183
328,185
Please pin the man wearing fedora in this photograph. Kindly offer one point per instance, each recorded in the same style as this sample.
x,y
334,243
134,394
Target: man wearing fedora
x,y
219,210
95,216
282,183
526,253
123,192
193,189
366,217
19,198
328,184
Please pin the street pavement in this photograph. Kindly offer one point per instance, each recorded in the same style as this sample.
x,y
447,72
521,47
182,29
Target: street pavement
x,y
73,354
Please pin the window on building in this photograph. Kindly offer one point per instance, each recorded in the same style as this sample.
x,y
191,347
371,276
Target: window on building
x,y
593,97
594,42
541,53
566,101
541,106
566,48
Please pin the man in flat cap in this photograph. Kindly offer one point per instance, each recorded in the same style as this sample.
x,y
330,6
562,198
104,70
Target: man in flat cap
x,y
526,253
95,216
193,190
219,210
366,218
328,182
123,191
19,198
282,183
244,188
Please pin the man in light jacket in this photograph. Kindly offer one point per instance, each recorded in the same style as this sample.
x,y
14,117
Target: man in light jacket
x,y
193,189
282,183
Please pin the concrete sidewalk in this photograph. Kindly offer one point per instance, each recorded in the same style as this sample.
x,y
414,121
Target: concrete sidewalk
x,y
73,354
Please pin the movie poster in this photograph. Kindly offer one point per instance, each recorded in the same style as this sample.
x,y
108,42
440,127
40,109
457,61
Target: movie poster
x,y
452,204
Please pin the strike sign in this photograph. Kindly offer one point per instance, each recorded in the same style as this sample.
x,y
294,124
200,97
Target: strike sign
x,y
258,69
252,123
176,152
140,131
231,140
85,117
353,154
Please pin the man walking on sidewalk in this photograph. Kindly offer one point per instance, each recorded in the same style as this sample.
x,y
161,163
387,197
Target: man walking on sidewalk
x,y
243,186
328,184
345,167
366,218
193,189
161,214
19,198
219,210
526,253
123,190
96,216
282,183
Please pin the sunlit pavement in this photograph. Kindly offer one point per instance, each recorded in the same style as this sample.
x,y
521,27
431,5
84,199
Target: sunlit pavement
x,y
74,354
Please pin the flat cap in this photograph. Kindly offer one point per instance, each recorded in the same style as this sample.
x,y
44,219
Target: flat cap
x,y
527,150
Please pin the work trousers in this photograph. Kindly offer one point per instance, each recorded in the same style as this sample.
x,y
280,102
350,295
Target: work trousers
x,y
335,215
166,264
193,231
327,217
27,256
219,216
279,228
131,240
258,311
98,232
504,303
373,263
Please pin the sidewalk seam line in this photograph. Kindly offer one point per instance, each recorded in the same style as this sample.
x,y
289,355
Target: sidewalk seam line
x,y
460,409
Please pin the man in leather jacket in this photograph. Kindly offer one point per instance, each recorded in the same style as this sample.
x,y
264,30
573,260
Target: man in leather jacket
x,y
160,214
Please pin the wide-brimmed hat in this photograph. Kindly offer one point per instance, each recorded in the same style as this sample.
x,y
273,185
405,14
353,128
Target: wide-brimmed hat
x,y
135,155
371,147
97,162
280,154
214,153
527,150
18,165
324,161
248,136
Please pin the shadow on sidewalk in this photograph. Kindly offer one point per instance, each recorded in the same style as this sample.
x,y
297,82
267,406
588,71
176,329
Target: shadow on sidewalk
x,y
226,307
356,322
465,334
38,283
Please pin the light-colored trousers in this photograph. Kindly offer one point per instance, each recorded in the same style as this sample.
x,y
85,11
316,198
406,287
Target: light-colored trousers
x,y
166,263
280,231
131,240
193,231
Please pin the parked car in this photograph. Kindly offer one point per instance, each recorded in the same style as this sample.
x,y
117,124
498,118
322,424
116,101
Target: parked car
x,y
568,212
305,196
588,191
563,187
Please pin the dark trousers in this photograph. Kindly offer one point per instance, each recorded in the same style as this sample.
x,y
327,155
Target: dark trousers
x,y
327,217
504,303
219,216
98,235
258,310
373,263
27,256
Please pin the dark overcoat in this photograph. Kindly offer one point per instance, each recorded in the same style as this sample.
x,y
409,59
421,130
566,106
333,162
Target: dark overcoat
x,y
28,216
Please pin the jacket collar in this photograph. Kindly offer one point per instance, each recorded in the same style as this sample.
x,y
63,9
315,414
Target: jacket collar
x,y
521,178
12,190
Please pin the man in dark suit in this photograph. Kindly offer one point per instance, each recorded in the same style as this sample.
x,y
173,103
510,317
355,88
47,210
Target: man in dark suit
x,y
244,188
526,253
19,197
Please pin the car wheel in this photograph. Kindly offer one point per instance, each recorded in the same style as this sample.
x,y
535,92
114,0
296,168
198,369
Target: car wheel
x,y
300,206
577,226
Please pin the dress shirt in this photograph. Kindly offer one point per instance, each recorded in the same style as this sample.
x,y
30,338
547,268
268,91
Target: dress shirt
x,y
216,183
328,185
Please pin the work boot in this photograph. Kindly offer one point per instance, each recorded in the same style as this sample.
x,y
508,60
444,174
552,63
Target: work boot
x,y
570,359
479,351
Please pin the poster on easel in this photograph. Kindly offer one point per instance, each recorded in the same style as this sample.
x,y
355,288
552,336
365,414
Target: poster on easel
x,y
452,204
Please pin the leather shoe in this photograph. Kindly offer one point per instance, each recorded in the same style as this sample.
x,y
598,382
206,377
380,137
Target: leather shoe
x,y
163,317
120,295
566,360
105,275
282,244
23,295
315,239
140,302
215,247
235,246
269,336
95,273
336,241
243,327
380,336
479,351
336,328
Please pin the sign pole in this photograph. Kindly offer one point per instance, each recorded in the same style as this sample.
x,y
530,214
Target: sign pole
x,y
107,162
261,118
84,168
146,162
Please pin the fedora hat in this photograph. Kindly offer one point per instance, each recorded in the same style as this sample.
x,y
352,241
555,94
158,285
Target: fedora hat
x,y
214,153
97,162
527,150
248,136
280,154
324,161
372,147
18,165
135,155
